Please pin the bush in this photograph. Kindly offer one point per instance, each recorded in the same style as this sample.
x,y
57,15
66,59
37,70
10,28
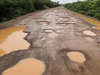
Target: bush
x,y
90,8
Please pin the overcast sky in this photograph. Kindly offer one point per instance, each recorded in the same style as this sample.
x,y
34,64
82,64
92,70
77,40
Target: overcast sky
x,y
66,1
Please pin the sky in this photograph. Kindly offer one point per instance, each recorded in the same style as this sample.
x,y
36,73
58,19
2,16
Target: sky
x,y
66,1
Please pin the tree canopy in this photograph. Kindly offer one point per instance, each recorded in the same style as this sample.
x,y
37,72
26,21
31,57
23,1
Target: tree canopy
x,y
89,7
12,8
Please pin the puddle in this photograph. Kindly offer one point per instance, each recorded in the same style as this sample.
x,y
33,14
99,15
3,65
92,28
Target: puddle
x,y
94,27
79,29
26,67
53,35
89,39
48,30
76,56
35,18
98,28
42,22
90,33
11,39
88,19
60,27
22,24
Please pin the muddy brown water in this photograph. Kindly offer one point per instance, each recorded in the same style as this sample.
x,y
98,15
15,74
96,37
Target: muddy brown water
x,y
53,35
90,33
26,67
76,57
97,23
42,22
48,30
12,39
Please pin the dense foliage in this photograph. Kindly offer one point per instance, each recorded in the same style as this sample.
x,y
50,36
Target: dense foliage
x,y
89,7
12,8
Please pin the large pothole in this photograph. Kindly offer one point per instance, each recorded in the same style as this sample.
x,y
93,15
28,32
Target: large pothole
x,y
90,33
12,39
43,22
76,57
53,35
49,30
26,67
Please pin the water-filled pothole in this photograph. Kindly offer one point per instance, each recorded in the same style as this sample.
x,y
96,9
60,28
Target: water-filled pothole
x,y
62,24
35,18
94,27
22,24
95,22
12,39
43,22
48,30
76,57
90,33
26,67
53,35
98,28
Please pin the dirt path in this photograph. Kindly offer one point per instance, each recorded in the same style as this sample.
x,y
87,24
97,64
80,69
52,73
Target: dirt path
x,y
52,35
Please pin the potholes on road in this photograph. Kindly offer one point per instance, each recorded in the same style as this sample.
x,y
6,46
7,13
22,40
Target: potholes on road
x,y
35,18
76,57
26,67
22,24
49,30
2,52
12,39
90,33
98,28
43,22
53,35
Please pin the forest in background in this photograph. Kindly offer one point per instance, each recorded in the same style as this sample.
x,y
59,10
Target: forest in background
x,y
89,7
10,9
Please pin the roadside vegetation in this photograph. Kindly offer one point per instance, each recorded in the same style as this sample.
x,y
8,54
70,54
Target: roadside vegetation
x,y
89,7
10,9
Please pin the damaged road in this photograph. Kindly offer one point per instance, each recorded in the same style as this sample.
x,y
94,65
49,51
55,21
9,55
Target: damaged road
x,y
54,33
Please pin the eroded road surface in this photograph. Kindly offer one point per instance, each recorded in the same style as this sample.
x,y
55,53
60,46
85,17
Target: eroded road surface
x,y
65,45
